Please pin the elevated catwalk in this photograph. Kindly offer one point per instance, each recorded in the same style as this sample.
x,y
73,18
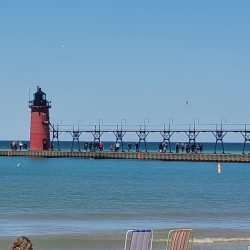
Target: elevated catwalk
x,y
191,132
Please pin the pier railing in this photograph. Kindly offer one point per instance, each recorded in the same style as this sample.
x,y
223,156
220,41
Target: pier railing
x,y
192,132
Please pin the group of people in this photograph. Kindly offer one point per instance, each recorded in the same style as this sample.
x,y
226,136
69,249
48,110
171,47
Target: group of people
x,y
163,146
189,147
115,147
18,145
182,147
93,146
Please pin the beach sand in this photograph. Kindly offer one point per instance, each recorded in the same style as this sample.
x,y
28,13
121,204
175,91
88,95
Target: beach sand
x,y
116,242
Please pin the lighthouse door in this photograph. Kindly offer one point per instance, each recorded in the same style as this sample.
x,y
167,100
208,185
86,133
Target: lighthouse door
x,y
45,144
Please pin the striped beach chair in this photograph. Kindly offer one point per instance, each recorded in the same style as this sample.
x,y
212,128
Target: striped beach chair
x,y
139,240
180,239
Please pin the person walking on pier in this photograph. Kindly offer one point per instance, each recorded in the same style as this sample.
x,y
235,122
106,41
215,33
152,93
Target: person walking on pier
x,y
14,145
201,147
182,147
85,146
117,147
164,147
129,147
101,146
193,147
25,146
137,147
90,146
160,147
20,145
177,147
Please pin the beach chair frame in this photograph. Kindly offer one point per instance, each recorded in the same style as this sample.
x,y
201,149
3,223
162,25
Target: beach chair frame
x,y
180,239
138,231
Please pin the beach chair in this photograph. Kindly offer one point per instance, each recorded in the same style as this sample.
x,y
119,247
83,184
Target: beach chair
x,y
138,240
179,239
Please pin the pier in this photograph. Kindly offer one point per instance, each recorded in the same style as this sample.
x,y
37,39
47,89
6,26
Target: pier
x,y
193,157
87,141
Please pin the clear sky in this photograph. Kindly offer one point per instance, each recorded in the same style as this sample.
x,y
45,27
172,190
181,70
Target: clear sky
x,y
133,60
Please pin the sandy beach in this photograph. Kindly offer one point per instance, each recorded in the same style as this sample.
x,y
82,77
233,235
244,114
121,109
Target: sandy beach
x,y
84,242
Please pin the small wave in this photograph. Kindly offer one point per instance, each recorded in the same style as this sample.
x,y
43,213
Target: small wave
x,y
212,240
220,240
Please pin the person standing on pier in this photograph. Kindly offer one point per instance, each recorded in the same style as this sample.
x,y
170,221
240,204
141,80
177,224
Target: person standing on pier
x,y
160,147
129,147
101,146
137,147
85,146
182,147
177,147
112,147
117,147
90,146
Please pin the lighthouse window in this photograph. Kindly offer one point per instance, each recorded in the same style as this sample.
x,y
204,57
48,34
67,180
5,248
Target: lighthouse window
x,y
44,97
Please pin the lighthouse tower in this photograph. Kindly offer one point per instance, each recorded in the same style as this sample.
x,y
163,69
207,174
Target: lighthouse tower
x,y
39,127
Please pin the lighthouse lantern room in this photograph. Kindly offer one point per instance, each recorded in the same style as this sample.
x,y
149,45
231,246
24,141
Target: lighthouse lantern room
x,y
39,126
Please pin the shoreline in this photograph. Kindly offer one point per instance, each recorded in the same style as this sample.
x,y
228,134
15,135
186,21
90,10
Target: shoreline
x,y
200,235
79,242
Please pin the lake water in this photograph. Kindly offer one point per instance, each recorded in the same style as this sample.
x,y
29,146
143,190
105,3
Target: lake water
x,y
76,203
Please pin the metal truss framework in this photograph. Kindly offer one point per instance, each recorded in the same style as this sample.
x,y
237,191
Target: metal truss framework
x,y
119,132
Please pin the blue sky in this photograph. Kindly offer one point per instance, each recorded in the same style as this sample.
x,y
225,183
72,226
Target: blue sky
x,y
113,60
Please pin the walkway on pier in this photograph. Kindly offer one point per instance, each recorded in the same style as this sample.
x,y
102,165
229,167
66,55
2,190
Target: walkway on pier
x,y
195,157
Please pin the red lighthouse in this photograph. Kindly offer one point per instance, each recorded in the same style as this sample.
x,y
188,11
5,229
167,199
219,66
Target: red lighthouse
x,y
39,127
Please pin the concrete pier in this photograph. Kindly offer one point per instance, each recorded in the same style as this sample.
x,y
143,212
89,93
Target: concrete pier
x,y
195,157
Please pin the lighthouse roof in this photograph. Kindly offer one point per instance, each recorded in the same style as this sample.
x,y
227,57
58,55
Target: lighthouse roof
x,y
40,99
39,91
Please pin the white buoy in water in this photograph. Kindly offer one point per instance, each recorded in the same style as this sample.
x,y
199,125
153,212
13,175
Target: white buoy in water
x,y
18,165
219,168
